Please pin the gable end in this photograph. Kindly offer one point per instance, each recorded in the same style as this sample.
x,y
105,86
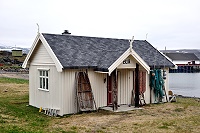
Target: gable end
x,y
40,38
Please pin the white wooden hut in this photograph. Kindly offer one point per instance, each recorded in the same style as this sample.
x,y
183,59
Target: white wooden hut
x,y
112,66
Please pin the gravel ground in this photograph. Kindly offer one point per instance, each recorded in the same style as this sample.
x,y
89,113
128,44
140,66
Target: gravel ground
x,y
15,75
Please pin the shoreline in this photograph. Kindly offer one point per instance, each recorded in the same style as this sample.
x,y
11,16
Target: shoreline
x,y
181,96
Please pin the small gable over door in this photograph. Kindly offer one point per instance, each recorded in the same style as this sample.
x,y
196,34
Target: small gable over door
x,y
128,63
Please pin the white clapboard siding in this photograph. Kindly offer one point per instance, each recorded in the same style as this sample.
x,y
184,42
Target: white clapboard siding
x,y
125,86
41,55
69,91
147,92
69,94
99,88
40,98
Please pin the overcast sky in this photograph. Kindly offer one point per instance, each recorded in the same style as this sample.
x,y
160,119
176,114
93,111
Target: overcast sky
x,y
171,23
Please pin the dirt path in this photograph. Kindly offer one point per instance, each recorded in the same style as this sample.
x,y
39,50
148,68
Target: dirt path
x,y
182,116
15,75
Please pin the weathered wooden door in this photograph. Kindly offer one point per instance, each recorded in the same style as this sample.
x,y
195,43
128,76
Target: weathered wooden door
x,y
112,89
84,92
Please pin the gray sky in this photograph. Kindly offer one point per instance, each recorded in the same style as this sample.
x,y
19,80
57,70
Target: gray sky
x,y
171,23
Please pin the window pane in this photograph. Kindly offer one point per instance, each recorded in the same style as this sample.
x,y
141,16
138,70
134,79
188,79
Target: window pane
x,y
40,82
44,79
47,73
43,73
47,84
43,83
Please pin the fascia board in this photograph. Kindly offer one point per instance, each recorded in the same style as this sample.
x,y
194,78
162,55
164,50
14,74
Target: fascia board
x,y
119,61
24,65
101,72
168,59
52,54
141,61
124,56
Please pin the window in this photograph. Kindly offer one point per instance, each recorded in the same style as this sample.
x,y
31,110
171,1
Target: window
x,y
44,80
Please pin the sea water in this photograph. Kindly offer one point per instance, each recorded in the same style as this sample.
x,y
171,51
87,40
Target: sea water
x,y
186,84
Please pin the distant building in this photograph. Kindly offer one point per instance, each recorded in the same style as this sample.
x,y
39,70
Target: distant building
x,y
188,61
17,53
11,56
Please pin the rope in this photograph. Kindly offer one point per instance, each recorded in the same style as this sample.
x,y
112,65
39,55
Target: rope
x,y
157,83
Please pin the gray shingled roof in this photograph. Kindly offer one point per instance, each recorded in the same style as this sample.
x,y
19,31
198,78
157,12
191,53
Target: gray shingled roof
x,y
100,53
183,54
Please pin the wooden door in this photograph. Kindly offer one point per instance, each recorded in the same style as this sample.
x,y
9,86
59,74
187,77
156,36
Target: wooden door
x,y
112,89
109,87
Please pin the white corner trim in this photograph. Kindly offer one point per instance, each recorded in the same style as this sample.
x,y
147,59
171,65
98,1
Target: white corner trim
x,y
52,54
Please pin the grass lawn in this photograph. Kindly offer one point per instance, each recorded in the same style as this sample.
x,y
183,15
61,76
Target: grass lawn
x,y
17,116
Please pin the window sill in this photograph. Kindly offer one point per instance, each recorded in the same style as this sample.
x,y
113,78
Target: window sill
x,y
43,89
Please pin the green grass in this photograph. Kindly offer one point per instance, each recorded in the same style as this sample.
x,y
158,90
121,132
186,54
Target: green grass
x,y
13,80
16,116
19,117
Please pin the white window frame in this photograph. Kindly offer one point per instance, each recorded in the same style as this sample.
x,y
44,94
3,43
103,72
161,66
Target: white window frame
x,y
43,79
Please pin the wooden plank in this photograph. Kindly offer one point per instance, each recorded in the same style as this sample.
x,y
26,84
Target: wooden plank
x,y
137,85
84,93
115,90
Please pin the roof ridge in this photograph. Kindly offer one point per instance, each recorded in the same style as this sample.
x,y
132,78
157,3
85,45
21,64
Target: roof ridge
x,y
90,37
